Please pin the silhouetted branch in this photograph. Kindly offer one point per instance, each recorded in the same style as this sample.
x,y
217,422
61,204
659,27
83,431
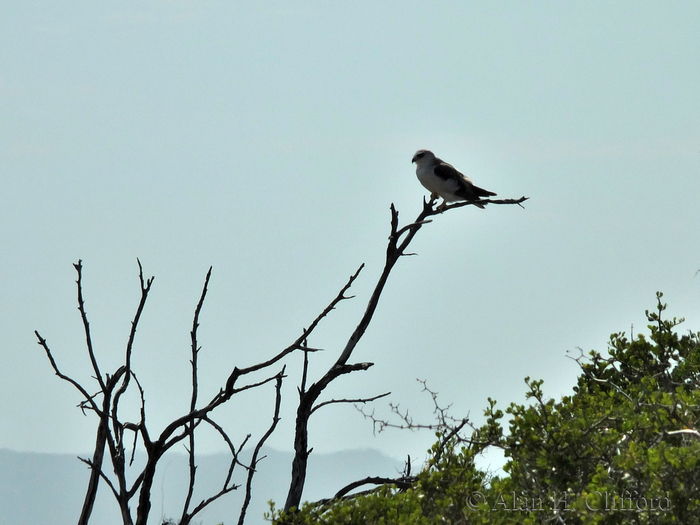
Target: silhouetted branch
x,y
304,370
141,426
359,400
298,344
231,446
481,202
86,325
254,460
145,288
78,386
448,427
444,421
106,479
193,400
403,483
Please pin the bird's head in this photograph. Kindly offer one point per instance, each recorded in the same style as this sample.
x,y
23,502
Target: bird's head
x,y
422,156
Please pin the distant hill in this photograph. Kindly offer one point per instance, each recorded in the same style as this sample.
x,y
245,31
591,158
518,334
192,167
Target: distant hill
x,y
38,489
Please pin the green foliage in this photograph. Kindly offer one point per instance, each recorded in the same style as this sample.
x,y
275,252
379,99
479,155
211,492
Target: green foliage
x,y
622,449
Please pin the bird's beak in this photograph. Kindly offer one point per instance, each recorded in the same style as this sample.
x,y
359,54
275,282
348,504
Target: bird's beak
x,y
413,160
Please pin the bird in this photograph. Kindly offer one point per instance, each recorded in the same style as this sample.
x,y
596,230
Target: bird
x,y
444,180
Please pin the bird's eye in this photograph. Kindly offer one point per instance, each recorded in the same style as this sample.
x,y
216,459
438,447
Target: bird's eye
x,y
420,155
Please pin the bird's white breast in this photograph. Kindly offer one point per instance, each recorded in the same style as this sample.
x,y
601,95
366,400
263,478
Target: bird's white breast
x,y
434,184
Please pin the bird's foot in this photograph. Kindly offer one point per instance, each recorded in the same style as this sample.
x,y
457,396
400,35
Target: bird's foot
x,y
442,207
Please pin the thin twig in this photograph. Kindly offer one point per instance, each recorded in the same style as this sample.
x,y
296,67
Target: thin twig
x,y
89,463
86,325
231,446
88,398
359,400
254,460
481,202
237,372
193,400
145,288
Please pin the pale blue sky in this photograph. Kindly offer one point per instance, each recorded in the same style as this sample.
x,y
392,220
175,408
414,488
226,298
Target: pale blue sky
x,y
269,140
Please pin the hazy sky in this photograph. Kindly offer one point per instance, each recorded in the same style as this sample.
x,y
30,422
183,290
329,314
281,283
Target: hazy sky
x,y
269,140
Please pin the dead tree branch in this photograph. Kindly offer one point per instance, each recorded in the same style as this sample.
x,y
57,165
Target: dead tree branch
x,y
399,240
193,401
86,325
254,460
359,400
299,343
403,483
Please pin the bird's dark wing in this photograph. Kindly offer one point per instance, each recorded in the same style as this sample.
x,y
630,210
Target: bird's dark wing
x,y
466,188
446,171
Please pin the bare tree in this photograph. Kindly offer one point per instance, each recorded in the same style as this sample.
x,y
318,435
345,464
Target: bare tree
x,y
113,428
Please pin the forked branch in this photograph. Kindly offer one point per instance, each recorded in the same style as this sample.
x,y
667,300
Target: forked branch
x,y
399,240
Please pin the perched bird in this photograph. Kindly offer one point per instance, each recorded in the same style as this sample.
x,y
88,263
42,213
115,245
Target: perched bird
x,y
442,179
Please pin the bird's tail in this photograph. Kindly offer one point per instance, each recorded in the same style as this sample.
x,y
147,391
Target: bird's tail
x,y
481,192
